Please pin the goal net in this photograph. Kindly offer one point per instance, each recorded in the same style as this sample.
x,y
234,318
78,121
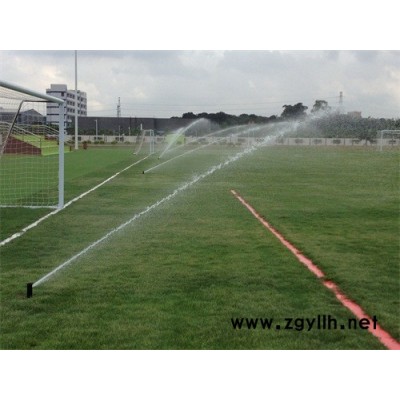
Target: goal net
x,y
388,137
31,151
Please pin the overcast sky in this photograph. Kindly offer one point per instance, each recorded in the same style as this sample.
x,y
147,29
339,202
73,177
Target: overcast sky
x,y
165,83
169,83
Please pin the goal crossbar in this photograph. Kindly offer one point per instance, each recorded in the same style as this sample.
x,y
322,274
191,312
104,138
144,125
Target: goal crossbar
x,y
32,93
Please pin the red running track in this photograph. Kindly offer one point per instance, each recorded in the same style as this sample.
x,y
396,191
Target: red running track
x,y
385,338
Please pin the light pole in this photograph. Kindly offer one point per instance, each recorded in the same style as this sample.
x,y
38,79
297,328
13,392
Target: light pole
x,y
96,129
76,100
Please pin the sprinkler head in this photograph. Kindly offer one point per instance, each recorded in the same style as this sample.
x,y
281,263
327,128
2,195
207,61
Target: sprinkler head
x,y
143,172
29,290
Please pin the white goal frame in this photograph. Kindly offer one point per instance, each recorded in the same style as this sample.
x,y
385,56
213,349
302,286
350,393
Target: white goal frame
x,y
48,99
384,132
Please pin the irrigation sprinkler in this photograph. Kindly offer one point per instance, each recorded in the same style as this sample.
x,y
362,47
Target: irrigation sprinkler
x,y
148,209
29,290
247,151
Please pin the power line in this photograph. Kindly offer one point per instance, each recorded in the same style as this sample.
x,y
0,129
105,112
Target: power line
x,y
266,107
219,104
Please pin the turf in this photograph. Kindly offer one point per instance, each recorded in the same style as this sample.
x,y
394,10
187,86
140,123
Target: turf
x,y
83,170
175,278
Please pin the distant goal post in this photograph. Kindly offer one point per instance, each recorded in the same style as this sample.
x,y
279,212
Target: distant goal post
x,y
388,137
31,150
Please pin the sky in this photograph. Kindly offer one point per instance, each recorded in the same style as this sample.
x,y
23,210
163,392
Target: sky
x,y
163,59
166,83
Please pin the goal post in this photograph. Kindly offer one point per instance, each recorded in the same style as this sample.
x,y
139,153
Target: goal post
x,y
31,150
390,135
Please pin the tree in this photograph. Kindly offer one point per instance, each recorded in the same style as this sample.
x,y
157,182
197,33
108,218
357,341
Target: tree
x,y
189,115
294,112
320,105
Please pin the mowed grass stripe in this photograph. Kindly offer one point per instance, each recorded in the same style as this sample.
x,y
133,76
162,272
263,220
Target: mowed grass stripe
x,y
341,206
175,278
148,209
375,329
81,196
83,170
175,281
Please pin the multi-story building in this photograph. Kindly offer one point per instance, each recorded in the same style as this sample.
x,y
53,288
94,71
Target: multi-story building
x,y
62,92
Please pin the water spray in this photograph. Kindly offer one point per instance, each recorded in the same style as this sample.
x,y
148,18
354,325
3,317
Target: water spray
x,y
255,128
218,132
181,132
283,128
177,191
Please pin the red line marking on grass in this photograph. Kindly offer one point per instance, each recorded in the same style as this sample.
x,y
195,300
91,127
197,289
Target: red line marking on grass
x,y
384,337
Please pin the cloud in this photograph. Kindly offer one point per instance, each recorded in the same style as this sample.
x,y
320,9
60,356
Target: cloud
x,y
166,83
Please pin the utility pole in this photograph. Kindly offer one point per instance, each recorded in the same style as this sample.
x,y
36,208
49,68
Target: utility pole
x,y
119,108
340,102
119,115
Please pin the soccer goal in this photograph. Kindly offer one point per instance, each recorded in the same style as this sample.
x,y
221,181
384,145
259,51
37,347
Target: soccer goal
x,y
388,137
31,151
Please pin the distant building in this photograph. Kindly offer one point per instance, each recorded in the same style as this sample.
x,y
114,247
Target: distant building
x,y
62,92
31,117
130,125
7,115
28,117
354,114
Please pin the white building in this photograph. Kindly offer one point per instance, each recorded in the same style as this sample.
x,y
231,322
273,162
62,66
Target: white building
x,y
61,92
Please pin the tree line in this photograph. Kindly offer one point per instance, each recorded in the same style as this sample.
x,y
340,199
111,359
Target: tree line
x,y
223,119
330,123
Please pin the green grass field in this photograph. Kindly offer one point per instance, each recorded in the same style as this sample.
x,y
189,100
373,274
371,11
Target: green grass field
x,y
31,180
175,277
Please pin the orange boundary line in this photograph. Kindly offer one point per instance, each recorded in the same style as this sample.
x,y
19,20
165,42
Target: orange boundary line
x,y
384,337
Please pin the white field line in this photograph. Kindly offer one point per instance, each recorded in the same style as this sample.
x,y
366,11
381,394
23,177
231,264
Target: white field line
x,y
182,188
37,222
31,207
